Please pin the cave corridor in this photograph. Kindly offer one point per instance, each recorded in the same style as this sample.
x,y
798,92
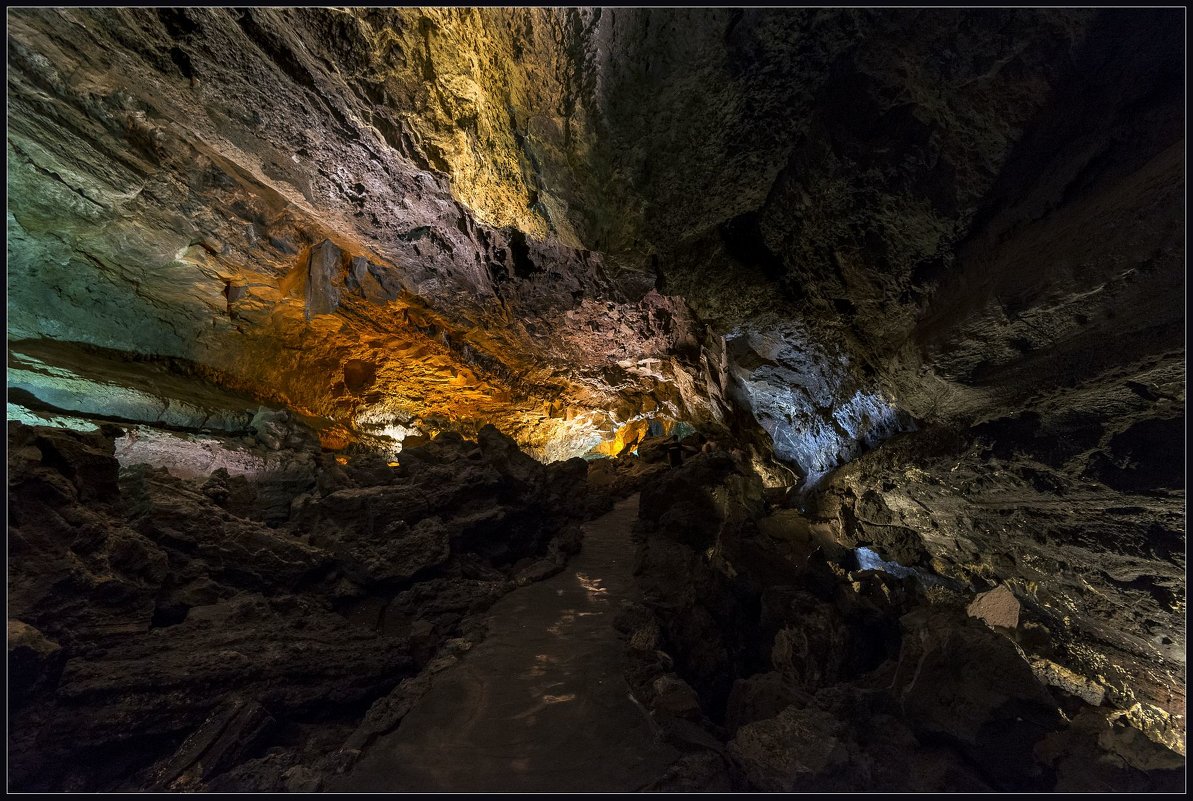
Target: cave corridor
x,y
590,399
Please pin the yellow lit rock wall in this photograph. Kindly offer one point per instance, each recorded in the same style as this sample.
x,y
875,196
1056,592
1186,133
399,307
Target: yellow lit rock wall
x,y
176,174
470,85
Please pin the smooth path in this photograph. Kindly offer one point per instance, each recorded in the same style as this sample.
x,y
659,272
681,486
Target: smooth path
x,y
541,704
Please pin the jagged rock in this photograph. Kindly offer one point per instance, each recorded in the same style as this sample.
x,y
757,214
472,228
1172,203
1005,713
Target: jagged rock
x,y
441,603
1100,752
790,751
395,553
503,453
272,427
700,772
231,732
84,460
812,646
34,661
168,512
323,273
696,502
958,679
387,712
76,574
142,613
892,252
841,741
300,779
646,639
235,493
1054,675
537,571
673,696
688,735
653,450
759,698
369,509
985,519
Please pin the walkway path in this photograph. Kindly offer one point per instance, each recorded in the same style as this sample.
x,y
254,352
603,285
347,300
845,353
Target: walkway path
x,y
541,703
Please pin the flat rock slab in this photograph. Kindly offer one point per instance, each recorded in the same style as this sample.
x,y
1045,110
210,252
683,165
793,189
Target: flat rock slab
x,y
541,704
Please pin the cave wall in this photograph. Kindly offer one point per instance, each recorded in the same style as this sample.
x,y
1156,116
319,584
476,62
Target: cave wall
x,y
490,182
270,196
1052,359
834,226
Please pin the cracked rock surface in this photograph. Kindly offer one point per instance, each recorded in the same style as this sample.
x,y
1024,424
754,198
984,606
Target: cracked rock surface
x,y
914,278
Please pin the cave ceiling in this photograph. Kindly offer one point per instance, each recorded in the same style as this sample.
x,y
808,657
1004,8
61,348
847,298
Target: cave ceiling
x,y
808,230
546,219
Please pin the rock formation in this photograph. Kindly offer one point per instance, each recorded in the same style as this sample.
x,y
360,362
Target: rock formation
x,y
311,312
140,602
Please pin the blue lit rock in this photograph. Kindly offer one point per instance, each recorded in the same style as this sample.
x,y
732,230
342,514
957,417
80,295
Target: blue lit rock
x,y
808,400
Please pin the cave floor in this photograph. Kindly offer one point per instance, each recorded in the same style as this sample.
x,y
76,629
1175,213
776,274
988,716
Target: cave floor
x,y
541,704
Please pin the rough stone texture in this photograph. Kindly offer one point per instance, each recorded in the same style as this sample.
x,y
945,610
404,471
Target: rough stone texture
x,y
998,608
941,247
821,749
1100,570
140,603
233,730
847,680
274,195
33,661
494,194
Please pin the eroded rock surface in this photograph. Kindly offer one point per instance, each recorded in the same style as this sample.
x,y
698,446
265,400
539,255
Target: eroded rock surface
x,y
139,601
813,675
914,275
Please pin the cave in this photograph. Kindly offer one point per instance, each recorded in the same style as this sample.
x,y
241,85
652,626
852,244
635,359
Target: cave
x,y
589,399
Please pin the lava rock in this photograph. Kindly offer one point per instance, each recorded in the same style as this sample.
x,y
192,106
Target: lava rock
x,y
232,731
998,608
34,662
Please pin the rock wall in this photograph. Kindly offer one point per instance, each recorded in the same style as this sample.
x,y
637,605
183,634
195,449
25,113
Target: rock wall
x,y
472,206
163,631
777,659
281,198
1052,360
807,230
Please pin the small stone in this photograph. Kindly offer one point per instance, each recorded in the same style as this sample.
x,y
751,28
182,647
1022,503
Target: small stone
x,y
457,645
998,608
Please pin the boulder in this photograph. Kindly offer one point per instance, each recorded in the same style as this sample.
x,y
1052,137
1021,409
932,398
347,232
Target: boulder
x,y
699,772
673,696
812,644
959,680
760,697
795,750
272,427
841,740
1100,752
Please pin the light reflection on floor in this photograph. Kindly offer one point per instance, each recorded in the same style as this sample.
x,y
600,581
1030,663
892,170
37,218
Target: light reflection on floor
x,y
541,704
593,585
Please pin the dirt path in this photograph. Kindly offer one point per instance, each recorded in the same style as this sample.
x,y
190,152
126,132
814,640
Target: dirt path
x,y
541,703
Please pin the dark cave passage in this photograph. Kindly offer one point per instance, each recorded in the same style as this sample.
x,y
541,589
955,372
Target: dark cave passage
x,y
342,341
541,703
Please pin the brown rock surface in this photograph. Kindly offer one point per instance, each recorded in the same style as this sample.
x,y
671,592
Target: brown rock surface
x,y
924,265
140,605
